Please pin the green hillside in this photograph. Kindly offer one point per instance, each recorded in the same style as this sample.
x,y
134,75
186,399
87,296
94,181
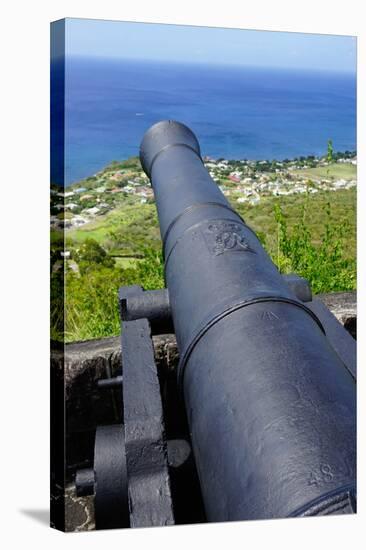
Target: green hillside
x,y
132,227
112,235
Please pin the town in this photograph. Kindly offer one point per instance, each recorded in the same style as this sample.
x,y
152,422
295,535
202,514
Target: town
x,y
243,181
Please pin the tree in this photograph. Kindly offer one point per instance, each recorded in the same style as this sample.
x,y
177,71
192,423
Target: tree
x,y
91,253
330,152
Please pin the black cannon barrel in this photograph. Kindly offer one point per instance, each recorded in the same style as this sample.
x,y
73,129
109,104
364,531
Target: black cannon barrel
x,y
270,405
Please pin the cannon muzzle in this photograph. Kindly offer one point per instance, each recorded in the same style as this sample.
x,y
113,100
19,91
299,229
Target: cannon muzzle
x,y
270,405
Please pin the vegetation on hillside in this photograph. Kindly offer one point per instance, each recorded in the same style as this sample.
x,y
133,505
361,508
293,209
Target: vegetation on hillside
x,y
312,235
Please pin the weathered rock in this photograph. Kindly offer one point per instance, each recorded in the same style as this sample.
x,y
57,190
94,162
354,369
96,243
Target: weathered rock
x,y
79,511
344,306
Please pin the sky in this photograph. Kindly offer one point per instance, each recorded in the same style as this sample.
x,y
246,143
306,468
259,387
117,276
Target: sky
x,y
208,45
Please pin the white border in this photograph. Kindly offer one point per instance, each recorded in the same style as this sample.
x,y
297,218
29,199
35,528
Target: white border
x,y
24,266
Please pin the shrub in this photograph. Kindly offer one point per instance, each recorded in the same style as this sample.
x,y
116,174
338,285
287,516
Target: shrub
x,y
325,265
91,295
91,253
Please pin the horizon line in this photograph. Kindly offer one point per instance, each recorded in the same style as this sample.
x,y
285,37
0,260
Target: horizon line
x,y
351,71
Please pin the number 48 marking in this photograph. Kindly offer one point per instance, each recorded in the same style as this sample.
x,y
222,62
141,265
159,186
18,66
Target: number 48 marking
x,y
323,475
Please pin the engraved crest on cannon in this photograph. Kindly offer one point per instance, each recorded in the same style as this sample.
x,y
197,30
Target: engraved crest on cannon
x,y
222,236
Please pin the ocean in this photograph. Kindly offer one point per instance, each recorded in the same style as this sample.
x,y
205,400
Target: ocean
x,y
236,112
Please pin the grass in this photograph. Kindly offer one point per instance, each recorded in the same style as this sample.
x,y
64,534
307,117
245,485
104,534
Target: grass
x,y
343,209
335,171
126,229
126,262
131,227
302,233
325,265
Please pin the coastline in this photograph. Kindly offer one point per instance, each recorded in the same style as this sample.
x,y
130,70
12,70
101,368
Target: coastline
x,y
243,181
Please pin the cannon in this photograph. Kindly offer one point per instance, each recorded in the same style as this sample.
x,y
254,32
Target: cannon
x,y
266,375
